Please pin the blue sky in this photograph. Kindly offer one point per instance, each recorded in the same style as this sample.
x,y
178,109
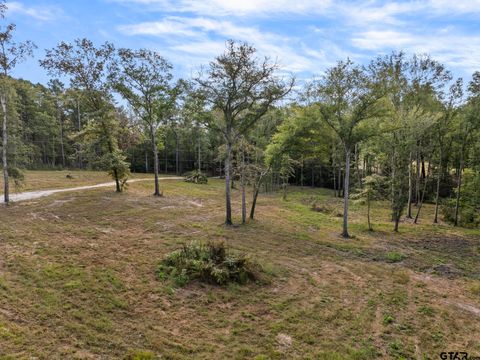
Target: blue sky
x,y
305,36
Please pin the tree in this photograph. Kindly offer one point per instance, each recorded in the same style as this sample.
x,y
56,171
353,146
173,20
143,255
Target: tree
x,y
468,124
143,77
11,53
242,88
87,67
373,189
347,101
410,85
58,92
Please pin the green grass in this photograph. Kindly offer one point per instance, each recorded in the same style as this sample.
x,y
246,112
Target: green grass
x,y
395,256
78,279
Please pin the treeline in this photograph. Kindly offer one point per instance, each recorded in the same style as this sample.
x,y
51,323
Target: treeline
x,y
47,126
400,128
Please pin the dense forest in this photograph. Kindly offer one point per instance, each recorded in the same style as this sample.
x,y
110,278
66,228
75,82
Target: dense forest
x,y
400,128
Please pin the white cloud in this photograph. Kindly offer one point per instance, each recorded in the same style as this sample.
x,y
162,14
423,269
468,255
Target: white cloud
x,y
358,29
41,13
374,14
205,38
183,26
377,40
456,50
236,7
454,6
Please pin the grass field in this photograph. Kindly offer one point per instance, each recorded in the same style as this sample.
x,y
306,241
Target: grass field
x,y
45,180
78,279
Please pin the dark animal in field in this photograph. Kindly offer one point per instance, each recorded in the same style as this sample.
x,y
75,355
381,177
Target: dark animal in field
x,y
69,176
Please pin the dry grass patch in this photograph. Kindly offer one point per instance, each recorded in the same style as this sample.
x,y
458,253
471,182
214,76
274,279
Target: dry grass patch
x,y
78,280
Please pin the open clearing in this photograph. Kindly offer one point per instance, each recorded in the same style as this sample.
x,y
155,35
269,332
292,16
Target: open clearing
x,y
77,279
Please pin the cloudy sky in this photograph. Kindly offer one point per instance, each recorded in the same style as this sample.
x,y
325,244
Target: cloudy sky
x,y
305,36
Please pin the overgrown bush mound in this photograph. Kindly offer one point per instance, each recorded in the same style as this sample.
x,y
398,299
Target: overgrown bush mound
x,y
210,263
196,177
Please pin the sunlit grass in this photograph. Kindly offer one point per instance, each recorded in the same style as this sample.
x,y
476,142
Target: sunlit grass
x,y
78,279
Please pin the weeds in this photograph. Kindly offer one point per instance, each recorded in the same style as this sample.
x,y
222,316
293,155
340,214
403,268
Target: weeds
x,y
209,263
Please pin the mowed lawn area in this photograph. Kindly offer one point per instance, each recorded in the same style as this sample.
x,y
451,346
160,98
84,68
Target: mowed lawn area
x,y
49,180
78,278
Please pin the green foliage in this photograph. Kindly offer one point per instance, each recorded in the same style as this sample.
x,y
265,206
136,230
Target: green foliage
x,y
397,350
426,310
17,175
117,167
474,289
469,211
196,177
210,263
395,257
375,187
388,319
140,355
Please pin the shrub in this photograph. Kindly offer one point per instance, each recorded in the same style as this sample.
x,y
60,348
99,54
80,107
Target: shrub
x,y
18,177
388,319
395,257
475,288
116,161
196,177
210,263
140,355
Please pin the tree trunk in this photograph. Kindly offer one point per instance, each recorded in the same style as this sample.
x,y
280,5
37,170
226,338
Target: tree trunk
x,y
341,191
199,156
166,156
313,176
392,187
301,174
334,182
422,198
6,189
79,124
242,180
228,208
410,185
256,190
357,167
437,193
417,184
320,178
132,161
155,161
62,146
345,193
397,220
110,149
177,157
459,186
368,213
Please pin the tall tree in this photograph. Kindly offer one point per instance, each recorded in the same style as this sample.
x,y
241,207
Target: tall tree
x,y
469,123
410,83
143,77
243,88
87,67
347,100
11,53
58,92
450,109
